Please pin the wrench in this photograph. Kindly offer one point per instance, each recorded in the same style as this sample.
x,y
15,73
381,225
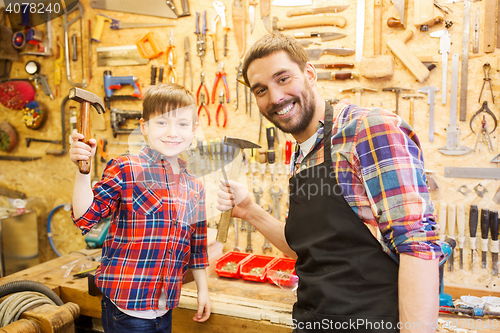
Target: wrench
x,y
267,245
276,195
257,191
236,247
249,238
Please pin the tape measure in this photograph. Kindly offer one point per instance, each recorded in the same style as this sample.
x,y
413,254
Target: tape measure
x,y
8,136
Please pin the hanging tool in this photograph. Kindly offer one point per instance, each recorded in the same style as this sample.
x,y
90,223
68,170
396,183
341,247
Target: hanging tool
x,y
90,52
444,49
222,107
171,59
486,70
153,75
443,209
412,107
315,54
334,65
358,91
401,9
450,224
58,64
473,217
475,34
159,8
407,57
425,14
461,232
202,85
325,36
239,73
66,25
203,105
220,9
270,153
33,68
465,61
306,22
360,29
485,228
148,46
251,13
187,60
201,36
476,126
265,12
431,100
484,136
239,25
398,91
220,75
225,216
490,24
317,10
494,242
338,75
185,8
453,131
288,155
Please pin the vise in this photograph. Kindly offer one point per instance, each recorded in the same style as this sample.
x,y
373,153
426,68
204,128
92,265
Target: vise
x,y
119,118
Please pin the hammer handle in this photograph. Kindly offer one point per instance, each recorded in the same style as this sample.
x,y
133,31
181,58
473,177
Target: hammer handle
x,y
306,22
84,128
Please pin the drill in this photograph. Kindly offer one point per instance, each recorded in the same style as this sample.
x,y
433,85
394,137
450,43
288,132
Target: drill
x,y
115,82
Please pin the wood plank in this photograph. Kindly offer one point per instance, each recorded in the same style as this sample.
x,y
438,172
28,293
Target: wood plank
x,y
490,9
456,291
400,50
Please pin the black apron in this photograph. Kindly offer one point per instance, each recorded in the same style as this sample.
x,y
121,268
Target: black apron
x,y
346,281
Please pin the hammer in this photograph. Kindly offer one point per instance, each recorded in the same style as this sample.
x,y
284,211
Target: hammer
x,y
396,90
235,168
86,98
412,106
358,91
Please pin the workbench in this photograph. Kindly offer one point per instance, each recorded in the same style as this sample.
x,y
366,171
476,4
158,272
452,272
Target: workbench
x,y
237,305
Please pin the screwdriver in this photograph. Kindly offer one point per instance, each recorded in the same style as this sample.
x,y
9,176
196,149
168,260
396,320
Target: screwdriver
x,y
262,161
253,164
485,228
288,154
494,243
472,231
271,154
218,156
450,221
461,232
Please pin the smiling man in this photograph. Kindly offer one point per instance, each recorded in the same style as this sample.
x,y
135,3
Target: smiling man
x,y
361,221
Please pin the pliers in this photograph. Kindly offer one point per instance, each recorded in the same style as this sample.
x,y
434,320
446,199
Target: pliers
x,y
223,107
202,84
220,74
171,59
204,106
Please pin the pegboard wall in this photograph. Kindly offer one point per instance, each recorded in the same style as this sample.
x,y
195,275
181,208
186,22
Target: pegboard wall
x,y
48,181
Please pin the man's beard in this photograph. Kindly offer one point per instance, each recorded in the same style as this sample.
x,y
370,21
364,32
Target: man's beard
x,y
307,106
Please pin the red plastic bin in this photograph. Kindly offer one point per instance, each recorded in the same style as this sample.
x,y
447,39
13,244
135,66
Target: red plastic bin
x,y
254,261
237,257
282,264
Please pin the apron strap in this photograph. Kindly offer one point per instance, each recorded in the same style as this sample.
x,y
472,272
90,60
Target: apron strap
x,y
327,137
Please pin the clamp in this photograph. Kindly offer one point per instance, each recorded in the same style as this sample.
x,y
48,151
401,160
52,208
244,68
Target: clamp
x,y
223,107
484,108
486,69
203,105
218,75
171,59
202,84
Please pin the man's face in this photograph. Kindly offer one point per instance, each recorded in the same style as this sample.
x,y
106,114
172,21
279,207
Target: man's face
x,y
282,91
171,132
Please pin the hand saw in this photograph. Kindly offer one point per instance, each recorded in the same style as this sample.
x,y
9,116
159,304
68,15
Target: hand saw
x,y
151,7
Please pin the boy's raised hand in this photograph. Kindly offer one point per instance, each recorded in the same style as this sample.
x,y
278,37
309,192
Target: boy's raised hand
x,y
203,307
80,151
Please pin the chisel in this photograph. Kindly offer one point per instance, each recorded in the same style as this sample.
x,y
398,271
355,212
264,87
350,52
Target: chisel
x,y
461,232
494,242
451,232
485,227
472,231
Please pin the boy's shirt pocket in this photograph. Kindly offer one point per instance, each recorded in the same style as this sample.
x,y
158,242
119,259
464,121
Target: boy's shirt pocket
x,y
147,198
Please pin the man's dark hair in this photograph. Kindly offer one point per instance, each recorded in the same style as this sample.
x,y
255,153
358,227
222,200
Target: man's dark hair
x,y
273,43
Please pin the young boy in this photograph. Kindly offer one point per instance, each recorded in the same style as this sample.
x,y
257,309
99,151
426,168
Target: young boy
x,y
158,223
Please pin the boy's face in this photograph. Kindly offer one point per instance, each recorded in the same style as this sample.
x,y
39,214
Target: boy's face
x,y
171,132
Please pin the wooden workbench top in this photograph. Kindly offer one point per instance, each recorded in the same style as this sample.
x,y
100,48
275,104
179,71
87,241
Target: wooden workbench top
x,y
236,303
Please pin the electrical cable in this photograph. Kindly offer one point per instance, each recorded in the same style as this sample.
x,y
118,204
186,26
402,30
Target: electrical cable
x,y
49,233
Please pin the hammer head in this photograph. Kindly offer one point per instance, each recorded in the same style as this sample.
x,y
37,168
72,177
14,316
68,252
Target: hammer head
x,y
239,143
84,96
428,90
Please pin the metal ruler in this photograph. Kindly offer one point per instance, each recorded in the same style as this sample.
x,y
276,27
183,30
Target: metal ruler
x,y
157,8
474,173
465,60
360,29
453,131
